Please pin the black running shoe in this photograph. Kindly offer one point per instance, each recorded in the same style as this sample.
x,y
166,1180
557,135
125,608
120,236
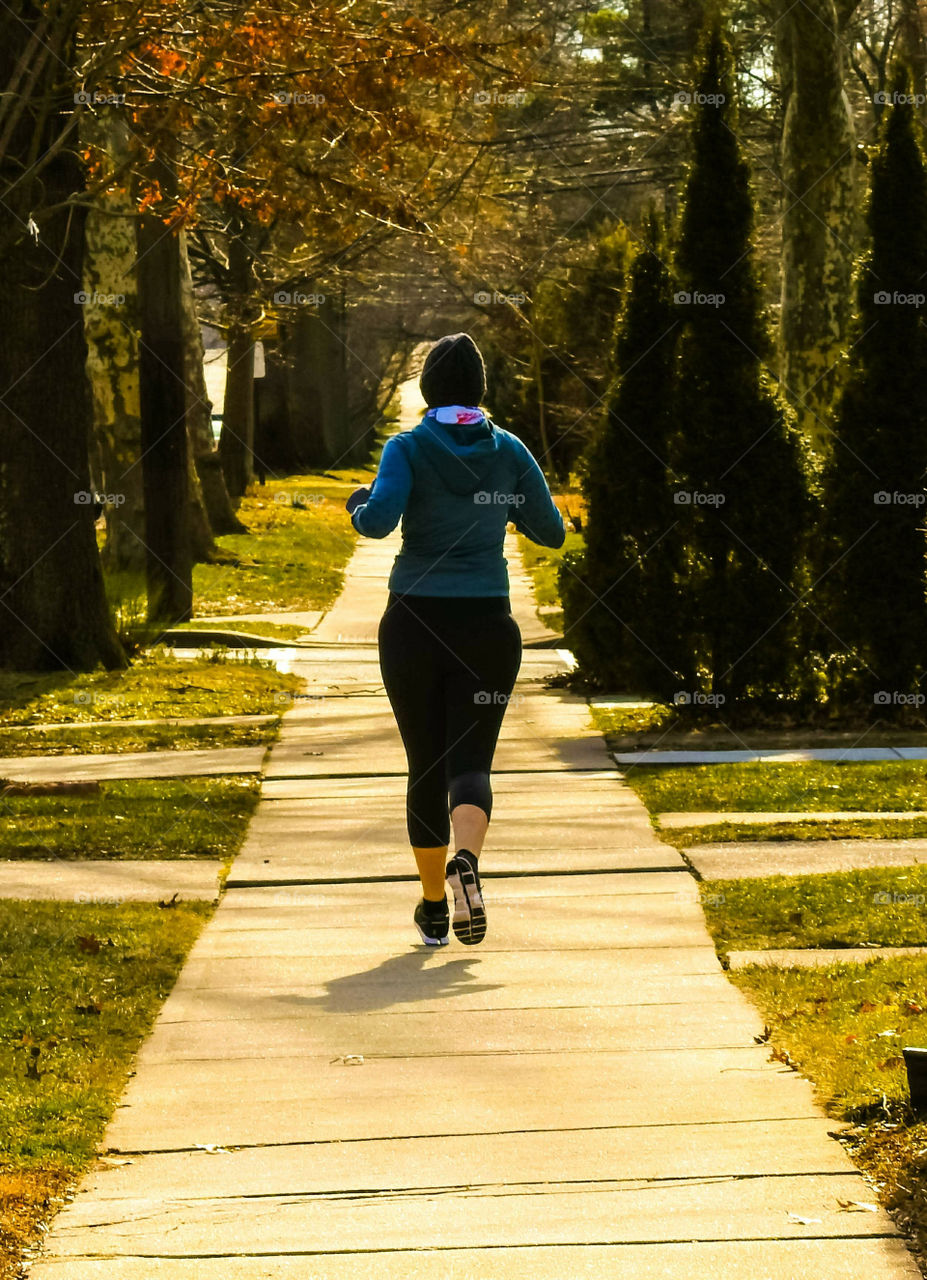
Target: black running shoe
x,y
469,911
432,923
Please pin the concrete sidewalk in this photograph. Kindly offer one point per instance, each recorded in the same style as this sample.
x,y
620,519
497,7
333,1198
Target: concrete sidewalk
x,y
580,1096
782,755
111,880
109,766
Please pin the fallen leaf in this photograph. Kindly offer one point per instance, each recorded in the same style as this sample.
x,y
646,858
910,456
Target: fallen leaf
x,y
89,944
890,1063
852,1205
867,1006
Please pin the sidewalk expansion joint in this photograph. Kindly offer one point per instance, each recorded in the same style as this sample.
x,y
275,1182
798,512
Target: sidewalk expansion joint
x,y
430,1249
274,883
574,771
497,1190
459,1133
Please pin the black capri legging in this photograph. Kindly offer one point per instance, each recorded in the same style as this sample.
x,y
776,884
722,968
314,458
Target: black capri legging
x,y
449,665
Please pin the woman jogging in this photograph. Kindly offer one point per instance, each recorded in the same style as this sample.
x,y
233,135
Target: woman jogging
x,y
449,647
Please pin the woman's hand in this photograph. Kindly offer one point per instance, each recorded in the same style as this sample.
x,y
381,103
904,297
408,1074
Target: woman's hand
x,y
357,499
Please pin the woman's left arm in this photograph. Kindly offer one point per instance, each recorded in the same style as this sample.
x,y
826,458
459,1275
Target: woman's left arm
x,y
535,513
387,497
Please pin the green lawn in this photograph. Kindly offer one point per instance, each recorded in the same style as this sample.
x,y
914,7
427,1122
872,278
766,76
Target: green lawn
x,y
293,556
844,1028
890,785
80,987
849,1022
848,829
133,818
156,685
662,725
270,630
118,738
884,906
786,788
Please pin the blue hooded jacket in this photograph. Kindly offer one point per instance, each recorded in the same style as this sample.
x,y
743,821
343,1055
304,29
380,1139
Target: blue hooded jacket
x,y
455,486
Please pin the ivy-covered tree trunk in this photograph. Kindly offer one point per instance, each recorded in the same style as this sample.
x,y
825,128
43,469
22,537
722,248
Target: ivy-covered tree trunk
x,y
111,323
53,609
818,158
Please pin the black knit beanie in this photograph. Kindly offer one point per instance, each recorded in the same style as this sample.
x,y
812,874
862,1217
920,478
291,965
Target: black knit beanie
x,y
454,372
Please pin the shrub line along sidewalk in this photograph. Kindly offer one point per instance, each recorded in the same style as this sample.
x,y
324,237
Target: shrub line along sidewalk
x,y
309,1103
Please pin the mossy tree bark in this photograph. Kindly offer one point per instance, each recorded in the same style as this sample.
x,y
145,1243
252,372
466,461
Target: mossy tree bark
x,y
111,323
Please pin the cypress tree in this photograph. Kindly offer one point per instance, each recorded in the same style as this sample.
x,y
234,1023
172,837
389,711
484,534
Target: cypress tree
x,y
871,565
620,599
744,497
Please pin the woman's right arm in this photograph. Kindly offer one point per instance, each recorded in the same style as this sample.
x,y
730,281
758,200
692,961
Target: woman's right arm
x,y
389,493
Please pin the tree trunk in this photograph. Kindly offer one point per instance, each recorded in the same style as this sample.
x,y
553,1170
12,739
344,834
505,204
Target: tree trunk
x,y
199,427
236,443
545,459
912,40
327,344
53,610
222,515
111,327
163,406
208,464
273,427
303,389
818,226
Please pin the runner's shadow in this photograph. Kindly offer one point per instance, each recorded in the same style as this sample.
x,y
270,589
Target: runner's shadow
x,y
401,979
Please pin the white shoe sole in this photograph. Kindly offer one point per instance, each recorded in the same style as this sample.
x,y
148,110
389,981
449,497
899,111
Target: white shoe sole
x,y
469,919
431,942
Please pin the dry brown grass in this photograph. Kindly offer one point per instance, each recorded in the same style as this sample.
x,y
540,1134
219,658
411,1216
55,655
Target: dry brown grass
x,y
28,1200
